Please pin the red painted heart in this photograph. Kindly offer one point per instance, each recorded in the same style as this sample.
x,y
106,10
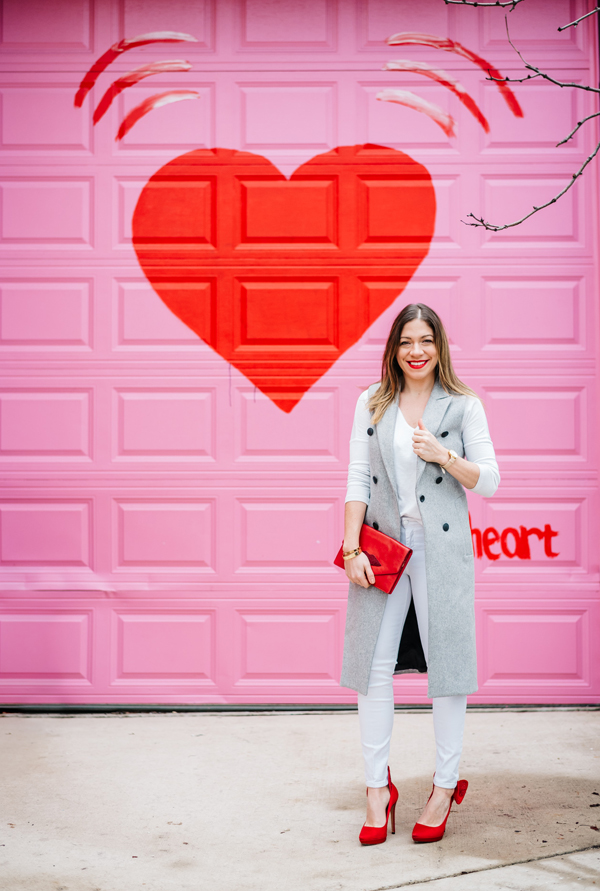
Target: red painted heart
x,y
280,277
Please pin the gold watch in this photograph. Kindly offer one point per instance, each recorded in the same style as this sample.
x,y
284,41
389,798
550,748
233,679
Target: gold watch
x,y
450,461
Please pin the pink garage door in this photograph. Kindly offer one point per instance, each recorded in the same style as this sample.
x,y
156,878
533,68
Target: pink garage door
x,y
184,339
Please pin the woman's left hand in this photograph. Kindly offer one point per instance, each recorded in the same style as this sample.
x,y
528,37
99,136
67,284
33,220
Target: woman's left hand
x,y
426,446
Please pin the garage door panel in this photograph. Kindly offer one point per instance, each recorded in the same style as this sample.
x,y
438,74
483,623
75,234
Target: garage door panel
x,y
526,648
49,423
287,115
60,26
165,533
142,323
178,15
514,323
310,435
294,536
281,646
377,19
167,130
546,113
48,98
47,212
46,647
536,31
560,226
172,646
543,421
164,424
45,315
46,533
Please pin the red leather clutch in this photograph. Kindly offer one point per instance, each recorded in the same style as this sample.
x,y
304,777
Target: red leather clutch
x,y
388,557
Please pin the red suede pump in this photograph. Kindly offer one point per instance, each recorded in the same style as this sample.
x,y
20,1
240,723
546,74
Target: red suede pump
x,y
422,833
375,835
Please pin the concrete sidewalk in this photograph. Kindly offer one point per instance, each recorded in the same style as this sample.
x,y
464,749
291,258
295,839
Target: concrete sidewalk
x,y
228,802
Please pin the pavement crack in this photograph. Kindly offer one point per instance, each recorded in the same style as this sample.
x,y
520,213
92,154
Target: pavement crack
x,y
466,872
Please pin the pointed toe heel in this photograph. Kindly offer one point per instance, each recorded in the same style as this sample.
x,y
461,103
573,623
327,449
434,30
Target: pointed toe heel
x,y
376,835
422,833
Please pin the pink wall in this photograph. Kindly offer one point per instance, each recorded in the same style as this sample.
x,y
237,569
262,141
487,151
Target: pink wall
x,y
166,530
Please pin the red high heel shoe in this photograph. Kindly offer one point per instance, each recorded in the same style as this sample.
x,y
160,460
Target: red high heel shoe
x,y
375,835
422,833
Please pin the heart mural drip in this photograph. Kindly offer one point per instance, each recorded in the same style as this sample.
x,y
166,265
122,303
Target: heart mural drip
x,y
282,276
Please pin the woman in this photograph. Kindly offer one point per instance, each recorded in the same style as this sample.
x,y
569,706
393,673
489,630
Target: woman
x,y
419,437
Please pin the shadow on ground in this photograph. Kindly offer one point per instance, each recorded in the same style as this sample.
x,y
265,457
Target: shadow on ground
x,y
515,816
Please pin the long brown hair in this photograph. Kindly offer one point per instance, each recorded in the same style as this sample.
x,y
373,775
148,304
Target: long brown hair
x,y
392,376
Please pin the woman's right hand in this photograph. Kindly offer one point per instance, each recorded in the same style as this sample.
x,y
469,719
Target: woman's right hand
x,y
359,571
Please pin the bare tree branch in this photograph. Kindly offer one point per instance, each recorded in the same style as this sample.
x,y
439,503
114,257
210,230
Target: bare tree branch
x,y
580,19
539,72
511,3
548,77
491,227
596,114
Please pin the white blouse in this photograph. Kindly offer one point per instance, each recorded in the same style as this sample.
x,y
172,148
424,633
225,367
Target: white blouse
x,y
476,440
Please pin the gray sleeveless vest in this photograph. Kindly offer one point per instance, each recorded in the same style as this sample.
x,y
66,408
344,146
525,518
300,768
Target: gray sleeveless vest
x,y
449,564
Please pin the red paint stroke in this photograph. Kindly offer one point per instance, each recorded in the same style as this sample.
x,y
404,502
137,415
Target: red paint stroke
x,y
451,46
443,78
410,100
513,542
122,46
150,104
134,77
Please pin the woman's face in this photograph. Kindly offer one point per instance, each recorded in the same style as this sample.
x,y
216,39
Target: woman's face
x,y
417,354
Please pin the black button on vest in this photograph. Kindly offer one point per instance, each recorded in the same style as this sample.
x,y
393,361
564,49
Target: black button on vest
x,y
422,498
370,431
445,527
376,526
445,433
374,479
439,479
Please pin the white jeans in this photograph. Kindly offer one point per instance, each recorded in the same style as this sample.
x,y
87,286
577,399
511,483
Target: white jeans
x,y
376,709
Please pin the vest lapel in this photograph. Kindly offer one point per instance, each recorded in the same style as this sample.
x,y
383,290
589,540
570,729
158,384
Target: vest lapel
x,y
385,437
438,404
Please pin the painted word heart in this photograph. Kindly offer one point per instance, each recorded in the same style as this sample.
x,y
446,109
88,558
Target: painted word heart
x,y
280,277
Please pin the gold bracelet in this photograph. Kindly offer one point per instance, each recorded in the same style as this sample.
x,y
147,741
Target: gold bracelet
x,y
351,554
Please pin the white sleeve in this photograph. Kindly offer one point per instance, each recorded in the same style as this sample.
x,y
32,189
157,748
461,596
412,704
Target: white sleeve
x,y
359,468
479,448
